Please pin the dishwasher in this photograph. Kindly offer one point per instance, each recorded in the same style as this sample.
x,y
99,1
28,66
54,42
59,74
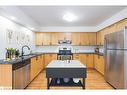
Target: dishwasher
x,y
21,74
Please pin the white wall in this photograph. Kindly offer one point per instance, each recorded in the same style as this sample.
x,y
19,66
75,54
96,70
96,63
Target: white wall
x,y
19,31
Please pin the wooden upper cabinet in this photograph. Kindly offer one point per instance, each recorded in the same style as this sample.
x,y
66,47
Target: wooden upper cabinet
x,y
76,39
121,24
92,38
84,39
38,38
54,38
68,36
99,38
46,38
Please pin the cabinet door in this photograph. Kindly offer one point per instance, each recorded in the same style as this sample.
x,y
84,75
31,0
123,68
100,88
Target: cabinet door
x,y
92,38
61,36
46,38
98,38
49,58
89,59
121,24
54,38
33,68
84,39
101,65
41,62
80,57
68,36
76,39
38,38
96,62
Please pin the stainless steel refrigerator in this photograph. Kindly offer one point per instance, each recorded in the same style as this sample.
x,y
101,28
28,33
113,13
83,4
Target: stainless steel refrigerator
x,y
115,52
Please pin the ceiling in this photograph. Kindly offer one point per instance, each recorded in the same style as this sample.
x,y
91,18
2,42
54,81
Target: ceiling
x,y
46,16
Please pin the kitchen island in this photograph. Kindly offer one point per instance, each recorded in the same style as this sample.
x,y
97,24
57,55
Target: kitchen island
x,y
65,69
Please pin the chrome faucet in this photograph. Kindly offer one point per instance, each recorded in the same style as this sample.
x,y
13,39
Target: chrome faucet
x,y
23,48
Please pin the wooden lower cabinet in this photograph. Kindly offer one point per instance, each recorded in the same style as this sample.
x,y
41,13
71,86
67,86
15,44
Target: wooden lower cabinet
x,y
99,63
37,64
86,59
6,76
48,58
90,60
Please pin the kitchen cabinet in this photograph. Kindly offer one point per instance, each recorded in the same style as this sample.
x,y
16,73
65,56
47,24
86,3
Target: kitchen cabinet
x,y
89,60
46,38
99,63
86,59
98,38
38,37
49,57
76,38
110,29
33,70
84,38
121,24
36,66
68,36
54,38
92,38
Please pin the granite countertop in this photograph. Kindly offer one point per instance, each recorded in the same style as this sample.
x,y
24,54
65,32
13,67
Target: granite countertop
x,y
20,59
3,61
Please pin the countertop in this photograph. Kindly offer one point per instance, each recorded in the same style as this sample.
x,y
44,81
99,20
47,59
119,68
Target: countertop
x,y
65,64
20,59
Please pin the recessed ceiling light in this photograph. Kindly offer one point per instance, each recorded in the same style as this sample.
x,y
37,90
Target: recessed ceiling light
x,y
12,17
69,17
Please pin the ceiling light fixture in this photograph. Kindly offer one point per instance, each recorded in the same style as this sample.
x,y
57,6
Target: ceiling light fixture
x,y
69,17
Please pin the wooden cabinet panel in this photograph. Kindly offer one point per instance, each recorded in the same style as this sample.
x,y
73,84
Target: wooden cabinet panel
x,y
76,39
121,24
86,59
84,38
33,70
54,38
68,36
61,36
98,38
92,38
99,63
89,60
6,76
38,38
49,57
36,66
46,38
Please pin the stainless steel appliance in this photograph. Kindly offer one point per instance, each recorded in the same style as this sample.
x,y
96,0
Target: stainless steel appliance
x,y
21,74
115,47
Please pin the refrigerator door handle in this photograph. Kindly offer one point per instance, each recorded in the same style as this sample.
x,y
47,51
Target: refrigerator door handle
x,y
105,46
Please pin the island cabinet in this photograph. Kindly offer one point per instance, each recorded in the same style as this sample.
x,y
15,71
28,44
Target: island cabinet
x,y
86,59
37,64
48,58
99,63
